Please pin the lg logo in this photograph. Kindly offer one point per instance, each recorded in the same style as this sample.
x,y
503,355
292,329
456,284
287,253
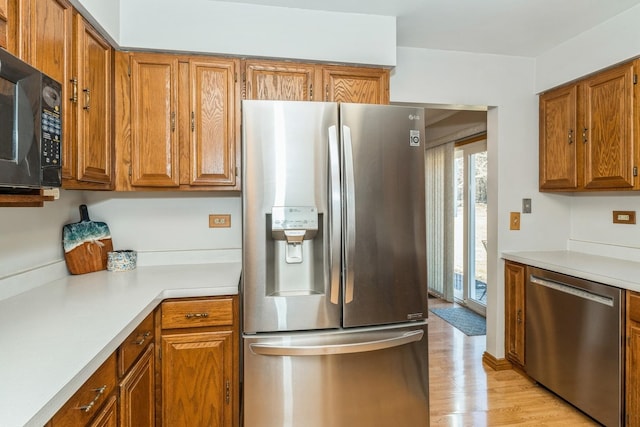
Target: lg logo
x,y
414,117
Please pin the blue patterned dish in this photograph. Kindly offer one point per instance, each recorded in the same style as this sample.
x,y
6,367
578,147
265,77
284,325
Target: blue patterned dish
x,y
122,260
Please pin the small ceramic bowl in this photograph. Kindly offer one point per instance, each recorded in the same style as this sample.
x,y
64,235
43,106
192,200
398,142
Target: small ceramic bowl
x,y
123,260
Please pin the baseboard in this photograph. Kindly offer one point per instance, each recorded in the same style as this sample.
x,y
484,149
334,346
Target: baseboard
x,y
496,364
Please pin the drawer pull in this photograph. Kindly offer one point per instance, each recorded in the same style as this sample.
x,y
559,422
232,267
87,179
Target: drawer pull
x,y
142,338
196,315
99,392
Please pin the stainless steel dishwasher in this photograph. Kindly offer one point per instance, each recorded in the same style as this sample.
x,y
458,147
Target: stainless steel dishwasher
x,y
574,342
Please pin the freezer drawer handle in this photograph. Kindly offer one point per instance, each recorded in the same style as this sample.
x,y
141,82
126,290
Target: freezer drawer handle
x,y
321,350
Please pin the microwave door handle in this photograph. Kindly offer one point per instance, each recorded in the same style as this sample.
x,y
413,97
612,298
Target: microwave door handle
x,y
349,213
333,349
334,212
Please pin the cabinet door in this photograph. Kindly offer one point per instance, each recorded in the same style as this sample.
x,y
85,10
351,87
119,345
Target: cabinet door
x,y
46,32
607,130
285,81
154,141
632,383
359,85
212,122
108,417
196,379
137,394
559,141
10,26
4,19
94,136
514,281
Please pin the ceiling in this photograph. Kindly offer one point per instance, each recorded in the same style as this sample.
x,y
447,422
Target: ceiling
x,y
506,27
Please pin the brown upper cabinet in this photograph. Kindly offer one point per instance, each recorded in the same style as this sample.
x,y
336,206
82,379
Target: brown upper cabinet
x,y
176,122
296,81
586,133
44,39
54,38
285,81
4,23
355,84
92,147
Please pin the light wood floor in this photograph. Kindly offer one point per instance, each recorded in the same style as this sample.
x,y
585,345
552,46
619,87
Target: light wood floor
x,y
464,392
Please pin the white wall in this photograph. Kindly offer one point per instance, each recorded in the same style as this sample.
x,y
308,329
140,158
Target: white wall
x,y
159,221
613,41
31,237
241,29
103,14
506,85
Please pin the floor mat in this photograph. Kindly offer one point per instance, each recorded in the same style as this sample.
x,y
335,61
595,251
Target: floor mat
x,y
463,319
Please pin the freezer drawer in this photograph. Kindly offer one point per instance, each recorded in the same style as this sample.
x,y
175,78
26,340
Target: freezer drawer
x,y
374,377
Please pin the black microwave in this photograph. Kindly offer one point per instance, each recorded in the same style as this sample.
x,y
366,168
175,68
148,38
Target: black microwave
x,y
30,126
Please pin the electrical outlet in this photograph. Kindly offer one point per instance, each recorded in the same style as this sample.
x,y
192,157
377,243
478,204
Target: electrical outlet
x,y
514,221
624,217
220,221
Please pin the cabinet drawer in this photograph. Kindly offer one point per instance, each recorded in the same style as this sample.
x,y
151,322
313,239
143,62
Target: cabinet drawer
x,y
633,309
134,345
197,313
89,399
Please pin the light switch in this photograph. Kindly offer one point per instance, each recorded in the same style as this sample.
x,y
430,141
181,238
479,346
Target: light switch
x,y
526,205
514,221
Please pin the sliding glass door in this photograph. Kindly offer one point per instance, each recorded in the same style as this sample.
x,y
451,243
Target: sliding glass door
x,y
470,265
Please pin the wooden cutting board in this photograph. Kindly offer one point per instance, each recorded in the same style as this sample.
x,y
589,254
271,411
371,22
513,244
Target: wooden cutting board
x,y
86,244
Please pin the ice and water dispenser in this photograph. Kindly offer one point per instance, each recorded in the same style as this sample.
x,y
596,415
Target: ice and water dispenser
x,y
295,255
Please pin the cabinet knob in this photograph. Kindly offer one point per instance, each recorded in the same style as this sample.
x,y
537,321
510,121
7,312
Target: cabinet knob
x,y
584,135
570,136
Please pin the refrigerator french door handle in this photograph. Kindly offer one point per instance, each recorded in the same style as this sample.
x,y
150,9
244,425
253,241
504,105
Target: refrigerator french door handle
x,y
323,350
349,213
335,219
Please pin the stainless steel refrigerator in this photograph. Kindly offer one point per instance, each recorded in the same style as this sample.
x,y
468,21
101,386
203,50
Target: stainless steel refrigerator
x,y
334,285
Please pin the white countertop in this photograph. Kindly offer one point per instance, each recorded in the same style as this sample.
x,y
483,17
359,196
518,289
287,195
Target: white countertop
x,y
53,337
610,271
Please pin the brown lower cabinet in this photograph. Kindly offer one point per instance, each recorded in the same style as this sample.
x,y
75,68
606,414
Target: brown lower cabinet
x,y
198,363
514,317
632,365
179,367
137,393
121,393
108,417
89,403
